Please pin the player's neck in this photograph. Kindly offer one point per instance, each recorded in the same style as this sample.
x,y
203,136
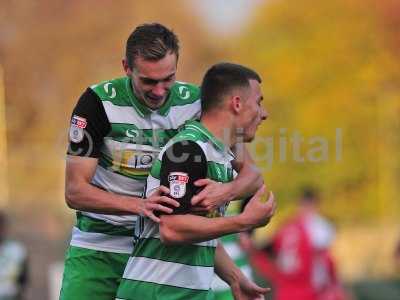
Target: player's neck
x,y
221,127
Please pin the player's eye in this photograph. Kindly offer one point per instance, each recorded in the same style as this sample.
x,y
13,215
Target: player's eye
x,y
149,81
169,78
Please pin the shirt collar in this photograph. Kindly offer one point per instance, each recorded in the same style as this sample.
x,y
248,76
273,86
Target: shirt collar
x,y
216,142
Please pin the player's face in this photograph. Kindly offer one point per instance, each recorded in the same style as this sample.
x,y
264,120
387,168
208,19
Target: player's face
x,y
152,80
253,111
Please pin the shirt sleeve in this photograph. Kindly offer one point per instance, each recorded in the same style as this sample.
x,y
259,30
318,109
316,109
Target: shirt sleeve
x,y
182,164
89,125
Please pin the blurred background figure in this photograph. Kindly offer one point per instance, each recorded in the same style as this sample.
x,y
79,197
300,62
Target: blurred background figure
x,y
13,265
297,260
397,256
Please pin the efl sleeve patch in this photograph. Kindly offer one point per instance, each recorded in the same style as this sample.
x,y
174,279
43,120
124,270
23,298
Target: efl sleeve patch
x,y
177,184
89,125
76,133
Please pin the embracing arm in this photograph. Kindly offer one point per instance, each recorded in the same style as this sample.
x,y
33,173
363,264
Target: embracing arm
x,y
80,194
188,228
176,229
89,125
248,181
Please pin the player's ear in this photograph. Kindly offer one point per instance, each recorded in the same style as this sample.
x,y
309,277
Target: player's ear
x,y
236,103
126,67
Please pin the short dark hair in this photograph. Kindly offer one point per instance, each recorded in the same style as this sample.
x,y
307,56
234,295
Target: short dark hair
x,y
221,79
151,42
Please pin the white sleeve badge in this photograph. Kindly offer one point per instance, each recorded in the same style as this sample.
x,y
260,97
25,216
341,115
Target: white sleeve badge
x,y
177,184
78,124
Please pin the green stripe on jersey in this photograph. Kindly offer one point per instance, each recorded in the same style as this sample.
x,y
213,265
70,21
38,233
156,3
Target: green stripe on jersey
x,y
114,90
156,169
182,254
88,224
139,290
219,172
119,92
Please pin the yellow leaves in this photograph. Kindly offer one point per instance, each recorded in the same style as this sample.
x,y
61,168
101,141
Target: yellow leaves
x,y
329,65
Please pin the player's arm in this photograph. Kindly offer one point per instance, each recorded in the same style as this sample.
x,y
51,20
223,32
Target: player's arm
x,y
241,286
249,178
248,181
89,125
188,228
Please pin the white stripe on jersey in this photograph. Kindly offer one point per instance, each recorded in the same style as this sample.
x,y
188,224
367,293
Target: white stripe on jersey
x,y
117,183
175,118
102,242
168,273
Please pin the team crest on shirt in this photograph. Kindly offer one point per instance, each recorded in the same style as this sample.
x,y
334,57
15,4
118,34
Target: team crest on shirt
x,y
78,124
177,184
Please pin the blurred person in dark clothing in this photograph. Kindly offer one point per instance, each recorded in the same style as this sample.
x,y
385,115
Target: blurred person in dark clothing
x,y
13,265
397,256
297,259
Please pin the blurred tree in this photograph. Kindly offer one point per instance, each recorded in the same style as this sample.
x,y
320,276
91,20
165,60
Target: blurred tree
x,y
51,51
330,65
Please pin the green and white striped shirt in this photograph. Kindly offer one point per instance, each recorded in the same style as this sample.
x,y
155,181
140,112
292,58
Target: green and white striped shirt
x,y
136,137
170,272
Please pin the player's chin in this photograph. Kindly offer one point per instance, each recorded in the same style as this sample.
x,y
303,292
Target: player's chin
x,y
249,139
250,136
153,103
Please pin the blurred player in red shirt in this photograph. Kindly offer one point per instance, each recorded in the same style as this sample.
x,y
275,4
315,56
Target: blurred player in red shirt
x,y
298,260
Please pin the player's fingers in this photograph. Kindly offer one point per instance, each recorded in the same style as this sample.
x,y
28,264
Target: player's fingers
x,y
163,208
271,201
167,200
202,182
271,197
160,191
259,193
196,200
153,217
159,207
261,290
156,193
164,190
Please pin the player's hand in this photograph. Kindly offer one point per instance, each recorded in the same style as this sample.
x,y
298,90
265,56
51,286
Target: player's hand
x,y
245,289
258,212
213,195
158,202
